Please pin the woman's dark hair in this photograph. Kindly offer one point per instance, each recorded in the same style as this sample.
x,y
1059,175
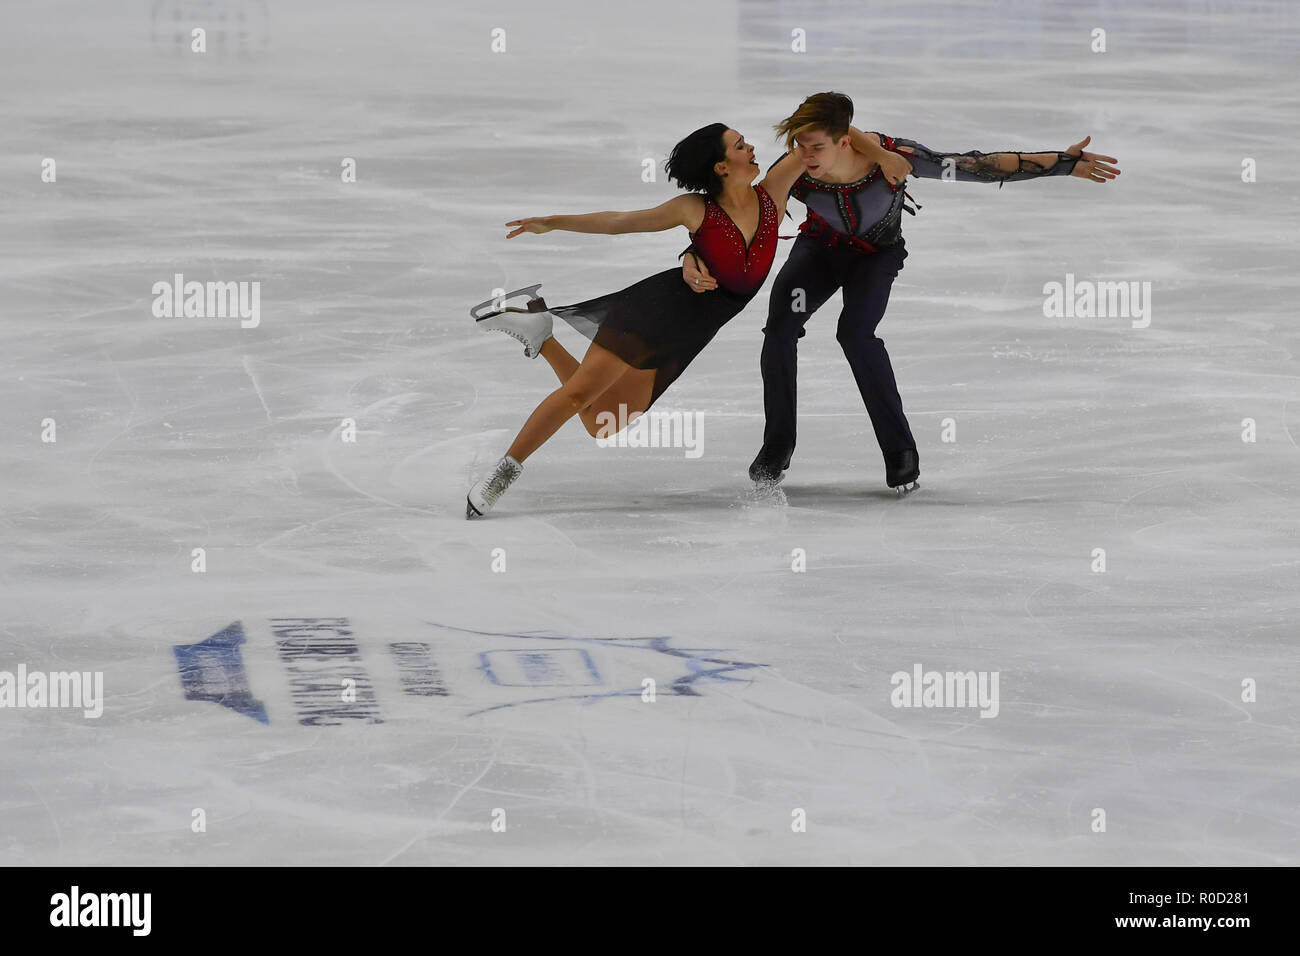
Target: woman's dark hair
x,y
691,162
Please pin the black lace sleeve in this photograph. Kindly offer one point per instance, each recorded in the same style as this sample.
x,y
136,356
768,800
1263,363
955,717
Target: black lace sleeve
x,y
974,166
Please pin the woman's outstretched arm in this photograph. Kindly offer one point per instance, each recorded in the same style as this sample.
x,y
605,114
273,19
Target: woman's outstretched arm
x,y
686,210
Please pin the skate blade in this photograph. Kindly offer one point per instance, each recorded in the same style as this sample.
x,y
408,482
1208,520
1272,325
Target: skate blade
x,y
470,511
535,303
904,490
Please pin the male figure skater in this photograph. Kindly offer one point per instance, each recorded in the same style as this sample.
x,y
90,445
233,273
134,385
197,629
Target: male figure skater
x,y
852,240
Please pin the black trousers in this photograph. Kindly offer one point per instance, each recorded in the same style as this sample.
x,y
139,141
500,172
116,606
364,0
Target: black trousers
x,y
866,279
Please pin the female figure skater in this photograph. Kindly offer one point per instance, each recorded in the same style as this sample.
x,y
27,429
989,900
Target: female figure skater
x,y
644,336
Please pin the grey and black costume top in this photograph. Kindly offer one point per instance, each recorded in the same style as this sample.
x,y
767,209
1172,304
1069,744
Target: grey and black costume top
x,y
867,214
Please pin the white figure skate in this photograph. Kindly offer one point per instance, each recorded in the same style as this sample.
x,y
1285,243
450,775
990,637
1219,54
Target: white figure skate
x,y
531,325
487,492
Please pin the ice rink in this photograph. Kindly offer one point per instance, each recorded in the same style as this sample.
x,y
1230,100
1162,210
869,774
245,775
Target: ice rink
x,y
356,675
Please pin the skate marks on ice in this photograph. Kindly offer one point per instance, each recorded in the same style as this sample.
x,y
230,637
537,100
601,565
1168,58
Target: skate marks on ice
x,y
385,487
391,462
440,474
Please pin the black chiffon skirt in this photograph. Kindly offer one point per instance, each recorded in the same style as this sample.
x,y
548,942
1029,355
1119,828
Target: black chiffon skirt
x,y
658,323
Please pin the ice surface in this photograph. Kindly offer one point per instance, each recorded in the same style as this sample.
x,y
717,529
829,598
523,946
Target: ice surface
x,y
1119,690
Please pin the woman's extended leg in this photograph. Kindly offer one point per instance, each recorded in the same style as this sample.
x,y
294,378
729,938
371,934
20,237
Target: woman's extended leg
x,y
601,378
620,404
632,390
599,370
562,363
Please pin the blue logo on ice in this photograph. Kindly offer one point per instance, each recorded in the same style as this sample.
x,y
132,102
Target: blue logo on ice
x,y
562,667
213,670
677,671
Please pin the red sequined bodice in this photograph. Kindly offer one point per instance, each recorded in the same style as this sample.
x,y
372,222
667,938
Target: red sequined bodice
x,y
720,243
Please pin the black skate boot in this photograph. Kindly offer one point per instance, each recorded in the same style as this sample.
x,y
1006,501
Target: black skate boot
x,y
902,469
771,463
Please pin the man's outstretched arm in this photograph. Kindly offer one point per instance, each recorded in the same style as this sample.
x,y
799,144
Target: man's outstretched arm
x,y
1007,167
